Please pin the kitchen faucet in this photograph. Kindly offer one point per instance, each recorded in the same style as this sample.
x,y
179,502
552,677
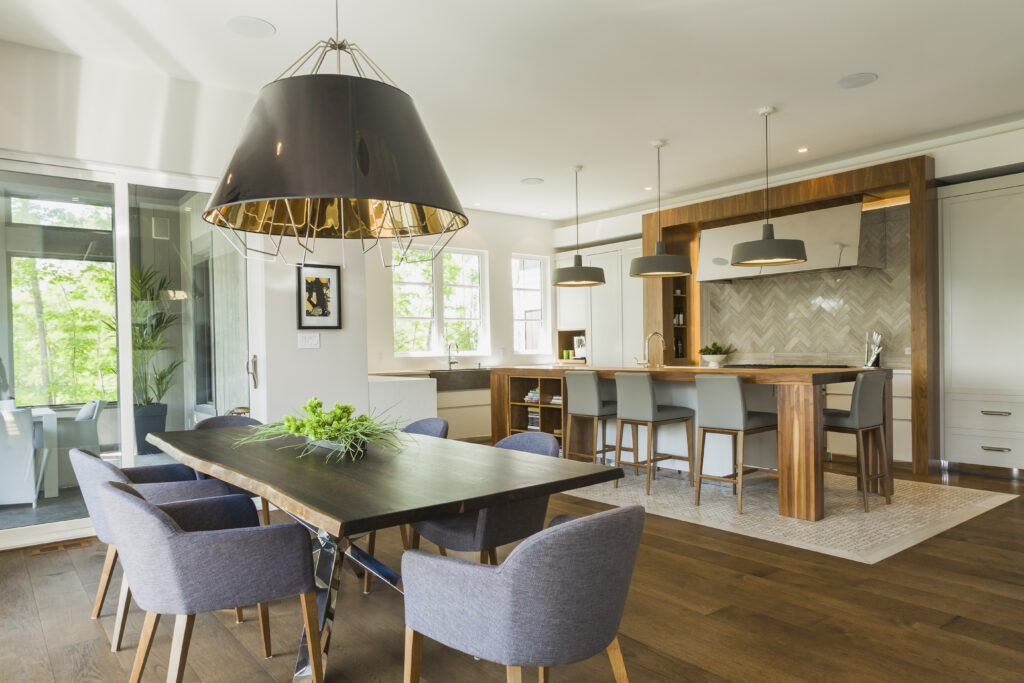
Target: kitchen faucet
x,y
647,349
452,363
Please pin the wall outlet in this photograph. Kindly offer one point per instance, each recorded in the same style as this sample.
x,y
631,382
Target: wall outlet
x,y
309,340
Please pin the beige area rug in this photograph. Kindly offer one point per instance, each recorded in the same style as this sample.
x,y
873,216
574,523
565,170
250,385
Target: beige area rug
x,y
918,511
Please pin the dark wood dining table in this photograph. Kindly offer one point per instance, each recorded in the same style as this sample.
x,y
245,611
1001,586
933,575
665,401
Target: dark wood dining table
x,y
410,479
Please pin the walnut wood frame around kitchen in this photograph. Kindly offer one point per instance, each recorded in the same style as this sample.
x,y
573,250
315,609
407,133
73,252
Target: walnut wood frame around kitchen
x,y
915,177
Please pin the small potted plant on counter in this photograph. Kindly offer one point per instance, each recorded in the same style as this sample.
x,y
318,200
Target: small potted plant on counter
x,y
714,354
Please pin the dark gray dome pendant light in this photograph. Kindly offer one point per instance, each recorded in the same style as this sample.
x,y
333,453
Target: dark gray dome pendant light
x,y
577,275
328,155
768,251
660,263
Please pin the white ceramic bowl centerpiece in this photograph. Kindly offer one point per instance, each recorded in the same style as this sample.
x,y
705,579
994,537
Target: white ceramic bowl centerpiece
x,y
336,433
715,354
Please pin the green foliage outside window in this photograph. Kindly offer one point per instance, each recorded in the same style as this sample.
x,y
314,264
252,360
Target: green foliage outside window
x,y
413,310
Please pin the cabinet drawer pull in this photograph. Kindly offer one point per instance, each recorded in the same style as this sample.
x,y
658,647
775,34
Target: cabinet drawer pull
x,y
995,449
1000,413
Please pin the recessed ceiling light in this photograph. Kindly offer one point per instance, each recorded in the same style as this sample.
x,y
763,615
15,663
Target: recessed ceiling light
x,y
857,80
476,203
74,199
188,209
543,213
532,181
802,150
648,188
251,27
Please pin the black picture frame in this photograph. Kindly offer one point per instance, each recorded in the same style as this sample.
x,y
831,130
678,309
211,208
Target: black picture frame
x,y
318,297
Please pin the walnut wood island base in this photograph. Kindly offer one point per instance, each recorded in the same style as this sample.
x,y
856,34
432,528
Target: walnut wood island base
x,y
801,399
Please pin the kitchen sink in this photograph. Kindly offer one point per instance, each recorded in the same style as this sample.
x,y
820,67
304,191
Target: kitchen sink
x,y
462,379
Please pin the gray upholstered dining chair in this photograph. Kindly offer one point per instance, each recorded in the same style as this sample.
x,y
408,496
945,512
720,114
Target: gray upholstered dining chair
x,y
80,431
203,555
220,422
865,415
723,410
558,598
156,483
428,426
585,403
482,531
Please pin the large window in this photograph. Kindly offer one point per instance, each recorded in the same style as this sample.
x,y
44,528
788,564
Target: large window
x,y
529,319
439,302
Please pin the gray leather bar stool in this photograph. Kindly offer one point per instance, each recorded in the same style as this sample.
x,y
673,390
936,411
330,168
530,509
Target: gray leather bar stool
x,y
865,415
723,410
584,402
637,405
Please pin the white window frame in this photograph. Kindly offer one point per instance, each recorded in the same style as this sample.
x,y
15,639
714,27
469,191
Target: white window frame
x,y
545,302
438,346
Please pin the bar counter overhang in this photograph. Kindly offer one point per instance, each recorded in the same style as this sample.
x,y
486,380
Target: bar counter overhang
x,y
800,401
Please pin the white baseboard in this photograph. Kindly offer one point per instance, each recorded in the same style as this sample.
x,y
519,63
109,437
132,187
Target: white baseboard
x,y
38,534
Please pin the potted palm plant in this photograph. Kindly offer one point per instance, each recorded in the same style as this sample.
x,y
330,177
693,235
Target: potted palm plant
x,y
151,322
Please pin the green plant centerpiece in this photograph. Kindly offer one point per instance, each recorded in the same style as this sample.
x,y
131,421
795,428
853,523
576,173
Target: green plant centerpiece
x,y
715,349
337,432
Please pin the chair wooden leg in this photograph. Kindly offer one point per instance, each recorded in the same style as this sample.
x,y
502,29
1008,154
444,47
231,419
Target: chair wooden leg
x,y
413,655
691,448
636,449
652,451
263,610
597,423
414,542
883,464
442,550
312,624
145,642
371,545
124,600
492,555
618,447
701,436
183,624
109,562
482,558
404,530
239,615
650,455
266,511
514,674
543,675
567,443
739,473
733,437
618,663
862,470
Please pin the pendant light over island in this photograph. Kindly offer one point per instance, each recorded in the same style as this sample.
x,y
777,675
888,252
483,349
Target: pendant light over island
x,y
660,263
577,275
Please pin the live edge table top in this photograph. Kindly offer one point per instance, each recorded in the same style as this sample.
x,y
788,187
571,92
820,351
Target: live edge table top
x,y
416,478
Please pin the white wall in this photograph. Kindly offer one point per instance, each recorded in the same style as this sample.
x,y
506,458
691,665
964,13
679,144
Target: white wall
x,y
501,236
59,105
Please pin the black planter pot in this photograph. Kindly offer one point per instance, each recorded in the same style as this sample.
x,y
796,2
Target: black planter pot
x,y
150,418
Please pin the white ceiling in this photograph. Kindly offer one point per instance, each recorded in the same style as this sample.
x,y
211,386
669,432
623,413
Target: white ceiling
x,y
510,90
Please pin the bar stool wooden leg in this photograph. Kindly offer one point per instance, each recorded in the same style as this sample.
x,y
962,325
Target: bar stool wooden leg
x,y
567,444
690,447
636,449
734,451
618,446
862,468
649,465
739,472
883,457
701,436
652,450
597,421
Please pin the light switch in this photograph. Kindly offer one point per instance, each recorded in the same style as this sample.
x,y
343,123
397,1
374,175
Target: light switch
x,y
309,340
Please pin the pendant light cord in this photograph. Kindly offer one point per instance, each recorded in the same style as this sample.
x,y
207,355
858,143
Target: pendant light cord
x,y
659,191
767,197
577,169
337,22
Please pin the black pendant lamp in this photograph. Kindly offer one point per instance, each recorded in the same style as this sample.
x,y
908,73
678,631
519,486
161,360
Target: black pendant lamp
x,y
577,275
660,263
328,155
768,251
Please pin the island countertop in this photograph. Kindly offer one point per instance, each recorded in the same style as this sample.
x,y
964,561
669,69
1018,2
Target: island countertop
x,y
800,400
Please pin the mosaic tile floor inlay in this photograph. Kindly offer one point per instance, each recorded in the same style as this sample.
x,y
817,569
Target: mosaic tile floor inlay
x,y
918,511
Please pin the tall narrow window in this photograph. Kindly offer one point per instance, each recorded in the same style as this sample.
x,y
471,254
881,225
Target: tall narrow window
x,y
440,302
529,319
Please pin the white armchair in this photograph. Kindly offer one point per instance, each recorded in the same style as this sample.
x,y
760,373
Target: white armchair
x,y
80,432
20,474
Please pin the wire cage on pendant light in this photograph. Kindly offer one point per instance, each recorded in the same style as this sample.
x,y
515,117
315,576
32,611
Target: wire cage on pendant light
x,y
660,264
336,156
577,275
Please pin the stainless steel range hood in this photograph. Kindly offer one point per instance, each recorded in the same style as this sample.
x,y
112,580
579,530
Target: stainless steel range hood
x,y
839,237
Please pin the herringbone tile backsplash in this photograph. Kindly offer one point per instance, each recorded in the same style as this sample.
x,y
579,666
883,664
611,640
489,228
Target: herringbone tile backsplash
x,y
820,316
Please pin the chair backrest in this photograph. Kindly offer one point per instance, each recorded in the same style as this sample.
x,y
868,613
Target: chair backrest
x,y
17,461
91,471
584,394
634,395
577,573
867,400
90,412
540,443
219,421
720,402
429,426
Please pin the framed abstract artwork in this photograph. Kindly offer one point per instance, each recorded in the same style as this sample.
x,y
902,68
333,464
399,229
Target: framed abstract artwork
x,y
319,291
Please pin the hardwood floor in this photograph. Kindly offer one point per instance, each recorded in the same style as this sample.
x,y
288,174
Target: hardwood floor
x,y
705,605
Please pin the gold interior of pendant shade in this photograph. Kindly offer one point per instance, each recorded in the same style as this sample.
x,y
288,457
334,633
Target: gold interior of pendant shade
x,y
319,217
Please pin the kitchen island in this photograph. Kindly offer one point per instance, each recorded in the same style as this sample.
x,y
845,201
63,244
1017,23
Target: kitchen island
x,y
800,401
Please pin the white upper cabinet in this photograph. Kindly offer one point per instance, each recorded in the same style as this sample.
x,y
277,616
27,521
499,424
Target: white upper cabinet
x,y
573,303
605,341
